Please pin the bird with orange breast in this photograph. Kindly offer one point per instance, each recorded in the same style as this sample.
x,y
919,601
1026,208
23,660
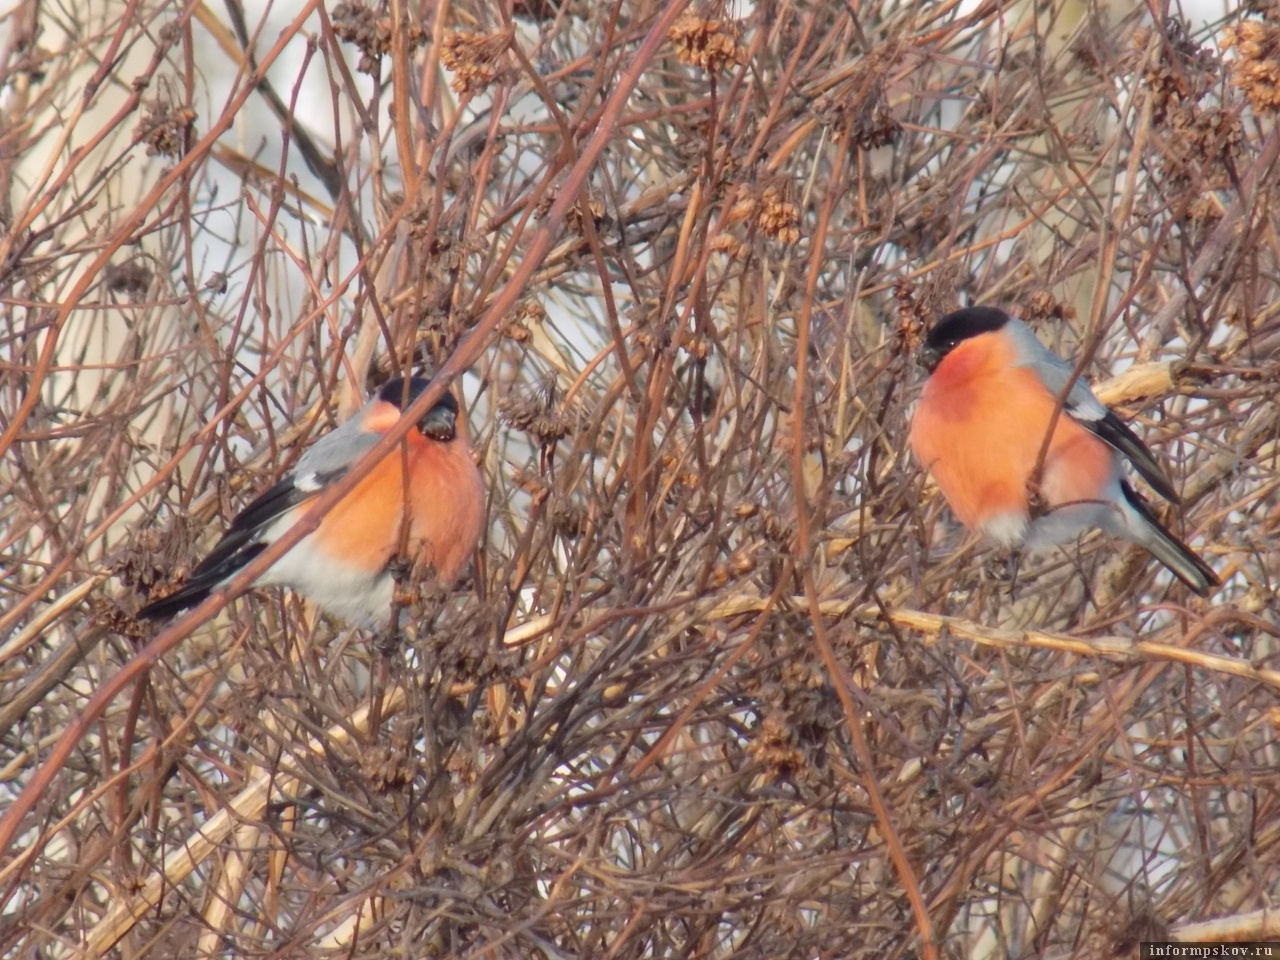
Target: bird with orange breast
x,y
426,493
990,401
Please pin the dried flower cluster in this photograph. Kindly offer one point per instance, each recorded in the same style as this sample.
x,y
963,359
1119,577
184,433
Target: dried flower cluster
x,y
739,564
858,109
132,278
391,765
779,218
768,211
775,215
1184,70
1043,305
574,220
527,312
371,33
710,44
874,125
165,129
473,58
1200,142
773,746
1256,67
727,243
536,413
1206,139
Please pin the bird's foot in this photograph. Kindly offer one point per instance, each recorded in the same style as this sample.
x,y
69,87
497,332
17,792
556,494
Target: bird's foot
x,y
406,593
432,597
1037,505
400,569
387,640
417,596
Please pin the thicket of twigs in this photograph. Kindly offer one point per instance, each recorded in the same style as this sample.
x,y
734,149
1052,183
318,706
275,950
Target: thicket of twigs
x,y
728,680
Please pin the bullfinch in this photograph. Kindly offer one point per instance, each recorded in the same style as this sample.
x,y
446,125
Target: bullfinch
x,y
992,393
429,485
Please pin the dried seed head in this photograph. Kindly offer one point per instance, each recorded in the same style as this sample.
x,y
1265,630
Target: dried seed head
x,y
568,518
473,58
1202,138
742,562
773,744
775,528
370,33
731,246
132,278
709,44
387,766
158,563
857,109
108,616
1256,67
164,129
1184,71
574,220
778,218
875,126
1042,305
536,413
528,313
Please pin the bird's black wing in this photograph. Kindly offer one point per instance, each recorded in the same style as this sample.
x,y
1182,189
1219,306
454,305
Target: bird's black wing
x,y
1085,408
1182,562
201,582
1113,431
240,544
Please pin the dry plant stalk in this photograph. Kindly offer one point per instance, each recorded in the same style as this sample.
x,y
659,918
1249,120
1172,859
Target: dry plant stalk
x,y
728,680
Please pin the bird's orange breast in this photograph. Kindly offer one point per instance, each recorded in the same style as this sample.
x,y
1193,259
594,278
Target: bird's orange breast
x,y
447,505
979,428
445,498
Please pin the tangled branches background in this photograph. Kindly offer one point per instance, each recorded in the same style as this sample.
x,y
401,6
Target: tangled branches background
x,y
728,680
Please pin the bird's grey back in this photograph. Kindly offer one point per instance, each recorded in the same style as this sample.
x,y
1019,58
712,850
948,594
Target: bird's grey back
x,y
1053,371
335,452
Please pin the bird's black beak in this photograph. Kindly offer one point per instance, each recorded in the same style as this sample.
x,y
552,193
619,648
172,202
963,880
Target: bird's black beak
x,y
440,423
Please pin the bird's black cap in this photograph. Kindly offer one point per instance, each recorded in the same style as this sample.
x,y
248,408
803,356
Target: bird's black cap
x,y
957,327
393,392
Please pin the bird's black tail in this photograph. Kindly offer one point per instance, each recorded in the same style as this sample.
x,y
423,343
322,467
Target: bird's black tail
x,y
227,559
1171,551
175,603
